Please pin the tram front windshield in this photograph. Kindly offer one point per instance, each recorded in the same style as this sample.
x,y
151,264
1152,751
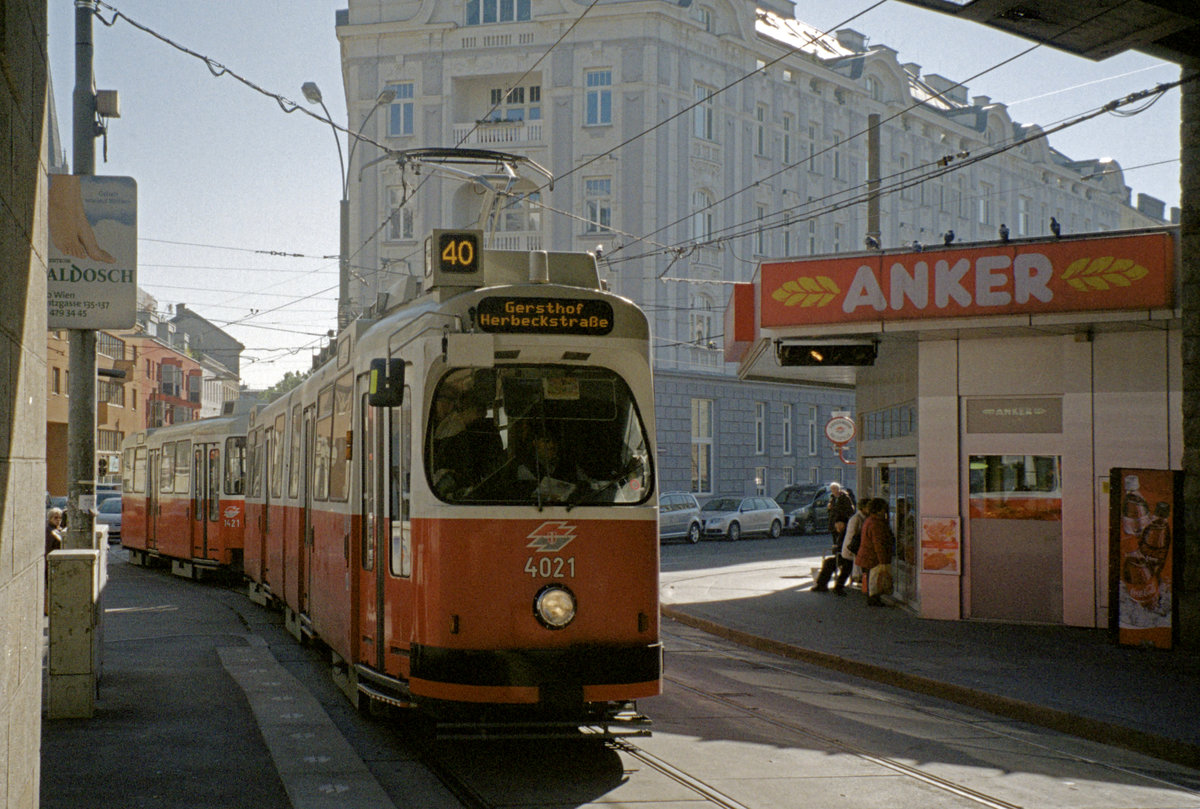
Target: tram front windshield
x,y
521,435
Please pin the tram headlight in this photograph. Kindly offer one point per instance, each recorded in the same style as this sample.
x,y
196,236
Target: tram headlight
x,y
554,606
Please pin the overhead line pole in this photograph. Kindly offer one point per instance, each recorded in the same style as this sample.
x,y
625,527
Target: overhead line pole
x,y
81,415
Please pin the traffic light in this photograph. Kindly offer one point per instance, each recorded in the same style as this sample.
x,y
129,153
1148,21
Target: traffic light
x,y
818,353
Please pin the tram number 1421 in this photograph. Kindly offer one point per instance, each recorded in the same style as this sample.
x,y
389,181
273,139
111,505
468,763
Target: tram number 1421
x,y
550,568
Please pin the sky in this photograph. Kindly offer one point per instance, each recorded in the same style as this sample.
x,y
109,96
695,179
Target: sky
x,y
238,200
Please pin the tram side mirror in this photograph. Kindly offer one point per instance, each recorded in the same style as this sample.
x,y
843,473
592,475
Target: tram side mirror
x,y
387,383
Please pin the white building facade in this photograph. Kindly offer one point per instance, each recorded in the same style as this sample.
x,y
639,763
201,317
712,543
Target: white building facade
x,y
690,142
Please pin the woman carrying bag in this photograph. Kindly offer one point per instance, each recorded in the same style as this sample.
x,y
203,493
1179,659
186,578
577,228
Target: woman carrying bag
x,y
875,553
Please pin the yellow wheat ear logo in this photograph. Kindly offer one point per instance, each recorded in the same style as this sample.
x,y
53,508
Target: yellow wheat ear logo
x,y
1099,274
805,291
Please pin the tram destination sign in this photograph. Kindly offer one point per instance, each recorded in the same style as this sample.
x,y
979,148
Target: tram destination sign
x,y
508,315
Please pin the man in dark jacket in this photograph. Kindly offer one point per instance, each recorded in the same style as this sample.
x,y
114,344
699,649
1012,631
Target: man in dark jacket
x,y
841,509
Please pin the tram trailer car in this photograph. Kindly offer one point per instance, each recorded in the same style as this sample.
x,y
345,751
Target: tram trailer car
x,y
182,494
406,507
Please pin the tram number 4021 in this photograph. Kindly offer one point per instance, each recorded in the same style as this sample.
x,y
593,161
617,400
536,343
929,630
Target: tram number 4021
x,y
548,567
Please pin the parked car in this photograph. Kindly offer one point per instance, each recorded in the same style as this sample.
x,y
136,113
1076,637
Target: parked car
x,y
793,498
733,517
109,513
678,516
814,517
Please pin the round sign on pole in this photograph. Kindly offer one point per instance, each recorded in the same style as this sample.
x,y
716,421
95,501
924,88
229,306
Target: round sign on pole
x,y
840,429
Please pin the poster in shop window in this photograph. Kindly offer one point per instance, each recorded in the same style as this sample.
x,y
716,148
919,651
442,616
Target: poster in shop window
x,y
940,545
1145,520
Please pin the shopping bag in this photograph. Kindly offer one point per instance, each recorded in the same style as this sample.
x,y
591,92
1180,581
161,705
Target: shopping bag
x,y
881,580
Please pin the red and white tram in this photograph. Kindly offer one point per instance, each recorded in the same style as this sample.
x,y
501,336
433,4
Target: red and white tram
x,y
183,489
460,503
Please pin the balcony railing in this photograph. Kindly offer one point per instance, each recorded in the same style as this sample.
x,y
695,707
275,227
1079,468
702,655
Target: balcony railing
x,y
498,132
516,241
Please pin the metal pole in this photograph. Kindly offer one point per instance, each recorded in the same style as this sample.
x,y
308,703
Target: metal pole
x,y
81,415
343,313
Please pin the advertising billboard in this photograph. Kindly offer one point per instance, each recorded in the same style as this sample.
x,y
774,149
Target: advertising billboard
x,y
1146,516
91,279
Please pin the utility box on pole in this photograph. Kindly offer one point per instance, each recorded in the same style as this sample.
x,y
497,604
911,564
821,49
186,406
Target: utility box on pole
x,y
75,586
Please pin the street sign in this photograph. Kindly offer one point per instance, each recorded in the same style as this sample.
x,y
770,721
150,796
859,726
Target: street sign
x,y
840,430
91,281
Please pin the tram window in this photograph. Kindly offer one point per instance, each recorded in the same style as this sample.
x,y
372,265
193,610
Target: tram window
x,y
166,468
566,434
253,443
183,451
294,462
139,470
198,495
321,449
399,486
339,461
127,470
275,441
235,465
214,483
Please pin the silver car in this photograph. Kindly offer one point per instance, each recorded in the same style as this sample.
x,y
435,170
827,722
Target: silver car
x,y
678,516
732,517
109,513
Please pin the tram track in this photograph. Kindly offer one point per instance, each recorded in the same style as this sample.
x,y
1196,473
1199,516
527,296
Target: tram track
x,y
893,764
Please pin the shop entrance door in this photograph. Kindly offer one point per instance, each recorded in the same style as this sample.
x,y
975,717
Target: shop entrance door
x,y
895,480
1014,539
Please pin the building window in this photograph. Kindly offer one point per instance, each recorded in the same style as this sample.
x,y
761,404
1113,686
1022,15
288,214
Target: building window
x,y
760,236
985,203
702,216
400,111
787,139
702,441
599,97
787,234
1023,216
812,237
760,135
56,381
490,11
400,218
760,428
760,481
837,156
787,429
702,113
837,238
512,105
597,192
703,16
110,346
702,320
812,430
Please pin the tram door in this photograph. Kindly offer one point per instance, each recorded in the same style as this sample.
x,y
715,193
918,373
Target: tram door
x,y
206,499
153,472
370,572
319,467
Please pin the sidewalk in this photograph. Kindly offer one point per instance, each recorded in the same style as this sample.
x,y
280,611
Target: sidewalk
x,y
195,710
1066,678
194,702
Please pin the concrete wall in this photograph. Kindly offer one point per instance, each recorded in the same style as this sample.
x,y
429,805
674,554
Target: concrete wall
x,y
22,398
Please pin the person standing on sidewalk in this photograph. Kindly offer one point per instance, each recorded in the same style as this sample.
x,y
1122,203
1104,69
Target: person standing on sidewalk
x,y
877,544
851,541
840,510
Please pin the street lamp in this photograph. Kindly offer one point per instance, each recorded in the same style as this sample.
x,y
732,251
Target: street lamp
x,y
312,94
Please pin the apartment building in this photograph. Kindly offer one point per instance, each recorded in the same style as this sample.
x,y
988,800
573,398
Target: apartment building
x,y
690,142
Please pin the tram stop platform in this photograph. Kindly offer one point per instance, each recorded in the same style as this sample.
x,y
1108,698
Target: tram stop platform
x,y
202,704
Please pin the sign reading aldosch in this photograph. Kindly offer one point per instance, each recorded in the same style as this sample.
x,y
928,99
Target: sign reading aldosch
x,y
91,282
